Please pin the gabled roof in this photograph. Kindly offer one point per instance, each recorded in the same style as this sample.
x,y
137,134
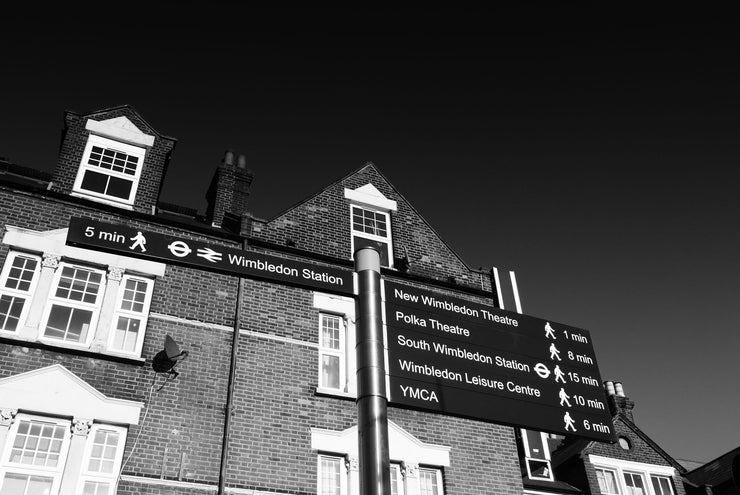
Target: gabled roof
x,y
371,166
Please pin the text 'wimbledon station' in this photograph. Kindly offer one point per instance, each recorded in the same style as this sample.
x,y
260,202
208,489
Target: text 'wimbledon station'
x,y
129,241
441,347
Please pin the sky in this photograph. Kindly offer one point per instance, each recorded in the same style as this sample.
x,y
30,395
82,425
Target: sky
x,y
593,151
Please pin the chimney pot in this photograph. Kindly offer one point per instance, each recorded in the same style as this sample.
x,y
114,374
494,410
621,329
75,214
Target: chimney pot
x,y
619,389
229,157
241,162
609,386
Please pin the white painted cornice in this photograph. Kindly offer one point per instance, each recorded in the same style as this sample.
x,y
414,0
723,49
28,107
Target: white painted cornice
x,y
403,446
54,390
370,196
120,129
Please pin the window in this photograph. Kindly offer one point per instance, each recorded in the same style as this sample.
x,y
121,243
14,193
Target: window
x,y
415,468
537,455
635,484
607,481
17,283
372,228
74,303
109,170
397,487
332,476
129,321
620,477
662,485
430,481
34,456
332,363
336,339
38,447
102,460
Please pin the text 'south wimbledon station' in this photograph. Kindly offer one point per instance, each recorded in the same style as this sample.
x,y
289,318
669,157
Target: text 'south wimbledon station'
x,y
129,241
457,357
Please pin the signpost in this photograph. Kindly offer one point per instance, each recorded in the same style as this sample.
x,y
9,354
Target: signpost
x,y
445,354
457,357
128,241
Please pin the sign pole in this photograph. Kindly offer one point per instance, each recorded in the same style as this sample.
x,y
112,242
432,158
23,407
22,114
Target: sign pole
x,y
372,402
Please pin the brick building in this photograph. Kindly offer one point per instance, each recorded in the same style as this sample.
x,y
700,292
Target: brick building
x,y
82,410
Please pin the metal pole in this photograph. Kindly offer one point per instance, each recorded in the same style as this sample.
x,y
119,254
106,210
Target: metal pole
x,y
229,409
372,404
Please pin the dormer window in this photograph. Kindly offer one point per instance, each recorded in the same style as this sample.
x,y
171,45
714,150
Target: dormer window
x,y
370,221
112,162
110,170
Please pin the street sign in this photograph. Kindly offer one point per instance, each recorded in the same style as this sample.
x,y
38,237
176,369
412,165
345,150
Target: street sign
x,y
461,358
129,241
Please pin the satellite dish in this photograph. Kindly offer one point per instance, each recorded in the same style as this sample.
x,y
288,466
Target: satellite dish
x,y
166,359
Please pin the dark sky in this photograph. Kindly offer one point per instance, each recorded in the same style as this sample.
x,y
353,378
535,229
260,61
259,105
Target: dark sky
x,y
592,150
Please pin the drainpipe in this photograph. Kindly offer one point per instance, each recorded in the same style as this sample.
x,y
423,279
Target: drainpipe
x,y
229,409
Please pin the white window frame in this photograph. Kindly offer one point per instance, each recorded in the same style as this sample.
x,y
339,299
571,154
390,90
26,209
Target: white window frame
x,y
344,308
343,488
620,467
103,142
93,476
399,485
387,240
672,490
616,478
53,300
142,316
26,295
18,468
437,473
545,458
340,353
629,489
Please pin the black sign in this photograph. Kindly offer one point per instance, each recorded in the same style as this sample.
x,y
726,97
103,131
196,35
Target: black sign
x,y
457,357
128,241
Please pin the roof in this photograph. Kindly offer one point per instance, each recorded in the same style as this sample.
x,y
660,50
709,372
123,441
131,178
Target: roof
x,y
715,472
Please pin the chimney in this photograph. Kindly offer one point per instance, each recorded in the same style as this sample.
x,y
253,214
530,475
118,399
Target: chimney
x,y
618,402
229,189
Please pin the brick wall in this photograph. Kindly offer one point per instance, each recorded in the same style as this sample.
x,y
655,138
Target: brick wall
x,y
275,404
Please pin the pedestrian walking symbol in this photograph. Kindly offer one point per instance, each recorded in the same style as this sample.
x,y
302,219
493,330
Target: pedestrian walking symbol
x,y
569,422
549,331
564,397
554,352
139,241
559,375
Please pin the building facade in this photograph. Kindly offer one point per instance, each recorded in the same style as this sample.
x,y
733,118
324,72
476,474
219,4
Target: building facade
x,y
263,399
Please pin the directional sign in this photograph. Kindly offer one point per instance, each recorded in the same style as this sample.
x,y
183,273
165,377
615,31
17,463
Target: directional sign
x,y
129,241
457,357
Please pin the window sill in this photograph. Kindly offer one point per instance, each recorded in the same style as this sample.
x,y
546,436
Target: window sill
x,y
330,392
71,349
79,194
